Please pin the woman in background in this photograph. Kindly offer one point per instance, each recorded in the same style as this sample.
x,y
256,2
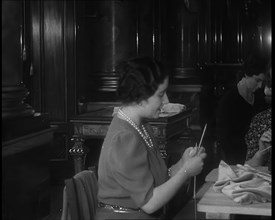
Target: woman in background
x,y
237,107
134,182
258,137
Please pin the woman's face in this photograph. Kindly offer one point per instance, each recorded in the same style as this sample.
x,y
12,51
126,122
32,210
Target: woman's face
x,y
154,103
255,82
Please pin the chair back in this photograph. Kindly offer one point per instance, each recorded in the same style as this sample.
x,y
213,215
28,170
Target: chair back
x,y
80,196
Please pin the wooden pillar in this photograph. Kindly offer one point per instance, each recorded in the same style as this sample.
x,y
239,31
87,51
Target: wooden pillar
x,y
13,90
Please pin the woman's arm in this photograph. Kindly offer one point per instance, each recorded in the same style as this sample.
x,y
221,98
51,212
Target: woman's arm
x,y
257,160
264,144
165,192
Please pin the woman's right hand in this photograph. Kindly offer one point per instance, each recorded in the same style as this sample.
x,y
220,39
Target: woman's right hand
x,y
265,140
193,166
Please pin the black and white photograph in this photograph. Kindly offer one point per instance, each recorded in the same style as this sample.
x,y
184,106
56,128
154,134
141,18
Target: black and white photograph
x,y
136,109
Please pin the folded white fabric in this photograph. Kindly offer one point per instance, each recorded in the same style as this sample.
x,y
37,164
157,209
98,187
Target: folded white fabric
x,y
245,185
173,107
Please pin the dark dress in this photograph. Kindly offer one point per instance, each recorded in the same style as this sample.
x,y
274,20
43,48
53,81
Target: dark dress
x,y
128,171
234,114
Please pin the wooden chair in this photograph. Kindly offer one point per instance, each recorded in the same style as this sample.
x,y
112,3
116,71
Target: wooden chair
x,y
80,196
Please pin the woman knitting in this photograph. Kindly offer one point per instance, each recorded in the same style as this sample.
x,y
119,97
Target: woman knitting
x,y
134,181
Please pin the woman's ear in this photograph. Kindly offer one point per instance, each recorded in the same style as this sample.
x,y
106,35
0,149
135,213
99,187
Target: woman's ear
x,y
143,103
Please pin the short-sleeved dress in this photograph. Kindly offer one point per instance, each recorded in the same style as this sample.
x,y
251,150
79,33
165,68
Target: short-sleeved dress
x,y
128,171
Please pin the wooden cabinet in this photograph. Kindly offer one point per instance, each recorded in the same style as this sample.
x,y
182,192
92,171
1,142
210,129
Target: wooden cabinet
x,y
94,125
26,177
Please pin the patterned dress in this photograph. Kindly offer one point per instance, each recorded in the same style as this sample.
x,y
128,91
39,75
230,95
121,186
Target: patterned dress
x,y
259,124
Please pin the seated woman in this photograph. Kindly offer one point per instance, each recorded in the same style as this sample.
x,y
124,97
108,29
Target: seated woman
x,y
133,179
237,107
258,137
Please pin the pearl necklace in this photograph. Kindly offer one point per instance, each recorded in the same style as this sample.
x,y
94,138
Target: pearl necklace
x,y
145,136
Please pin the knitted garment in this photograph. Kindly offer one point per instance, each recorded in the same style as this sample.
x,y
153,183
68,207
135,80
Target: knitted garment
x,y
245,185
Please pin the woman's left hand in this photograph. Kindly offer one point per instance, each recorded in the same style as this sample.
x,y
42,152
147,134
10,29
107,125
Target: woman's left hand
x,y
193,151
188,153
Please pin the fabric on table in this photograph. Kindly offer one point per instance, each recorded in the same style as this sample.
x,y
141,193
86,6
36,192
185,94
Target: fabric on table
x,y
173,107
245,185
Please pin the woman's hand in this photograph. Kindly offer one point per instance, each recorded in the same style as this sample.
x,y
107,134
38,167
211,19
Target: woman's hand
x,y
193,151
193,160
265,140
193,166
190,152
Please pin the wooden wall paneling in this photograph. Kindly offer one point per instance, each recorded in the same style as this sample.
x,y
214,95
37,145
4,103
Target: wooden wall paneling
x,y
12,29
106,34
111,31
147,38
161,30
227,26
54,63
36,50
150,15
215,35
235,29
204,33
53,57
232,32
14,91
182,37
70,57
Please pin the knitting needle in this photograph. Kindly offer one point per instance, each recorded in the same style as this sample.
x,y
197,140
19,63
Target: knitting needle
x,y
202,135
204,129
194,194
203,132
265,149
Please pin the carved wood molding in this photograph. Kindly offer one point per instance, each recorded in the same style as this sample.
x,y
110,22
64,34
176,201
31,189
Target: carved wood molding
x,y
13,105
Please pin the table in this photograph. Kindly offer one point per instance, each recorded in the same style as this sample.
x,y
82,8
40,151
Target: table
x,y
218,206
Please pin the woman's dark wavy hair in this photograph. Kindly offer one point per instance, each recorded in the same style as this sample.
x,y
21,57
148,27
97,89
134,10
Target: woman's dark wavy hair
x,y
254,64
139,79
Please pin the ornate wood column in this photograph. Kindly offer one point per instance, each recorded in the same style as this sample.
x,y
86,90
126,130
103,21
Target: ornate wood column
x,y
78,153
13,90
